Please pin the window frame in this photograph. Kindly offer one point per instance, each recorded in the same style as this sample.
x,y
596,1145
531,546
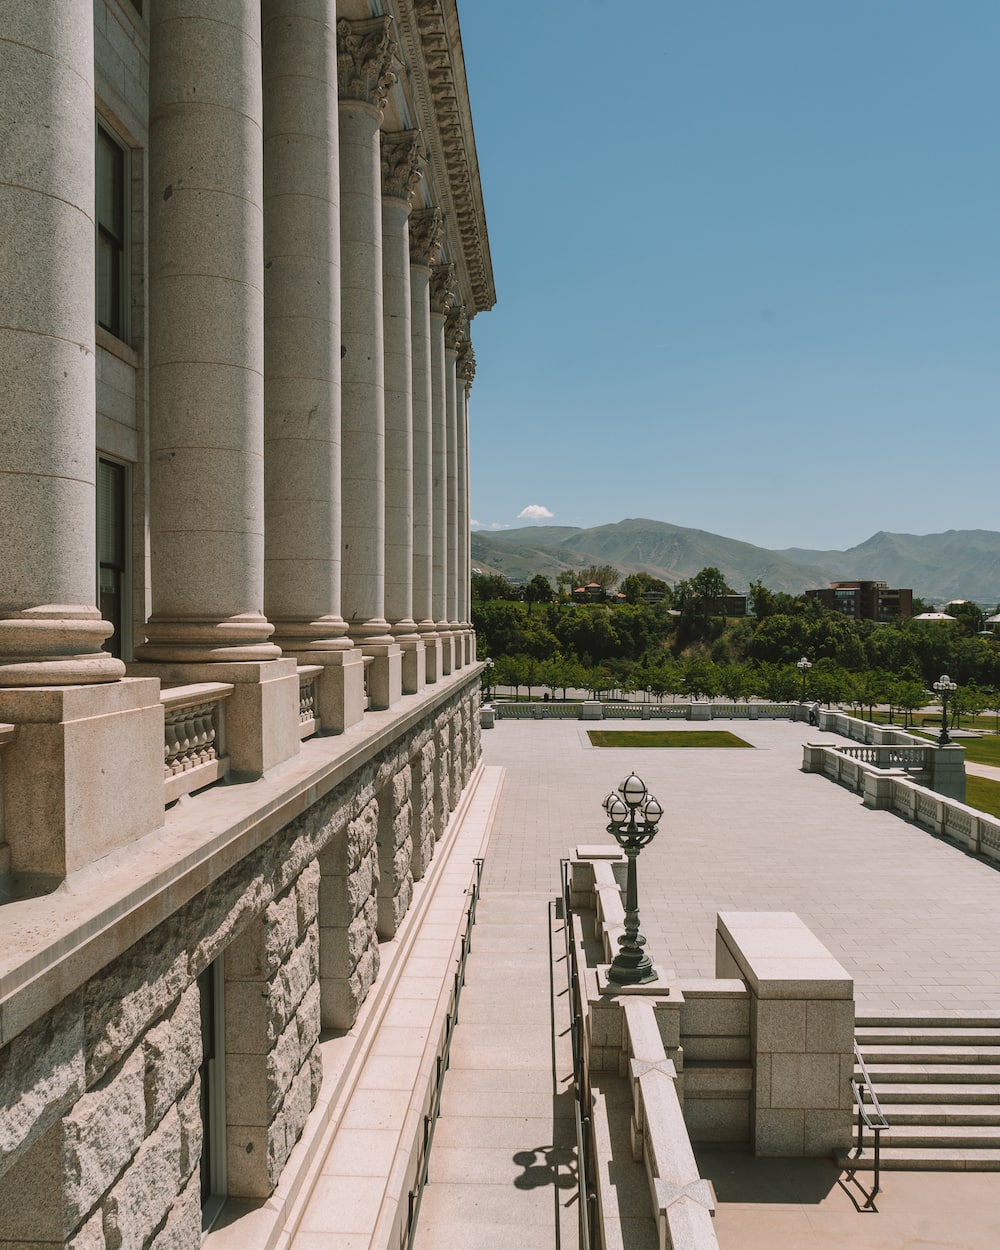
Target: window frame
x,y
105,234
122,570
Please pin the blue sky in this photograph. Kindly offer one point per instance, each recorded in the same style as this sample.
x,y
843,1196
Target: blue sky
x,y
746,258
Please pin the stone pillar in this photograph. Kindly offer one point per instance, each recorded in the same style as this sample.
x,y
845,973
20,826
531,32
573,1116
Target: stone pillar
x,y
50,632
454,337
302,443
206,374
442,298
365,51
84,772
401,155
426,226
466,372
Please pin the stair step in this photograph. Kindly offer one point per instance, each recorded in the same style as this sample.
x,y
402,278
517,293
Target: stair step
x,y
943,1113
927,1035
934,1136
970,1094
873,1053
893,1159
971,1073
988,1020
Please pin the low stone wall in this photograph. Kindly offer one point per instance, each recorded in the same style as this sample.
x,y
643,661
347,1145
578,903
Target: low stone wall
x,y
101,1095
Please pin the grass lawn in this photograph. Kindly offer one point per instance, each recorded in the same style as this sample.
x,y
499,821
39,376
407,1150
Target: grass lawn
x,y
980,750
983,794
664,738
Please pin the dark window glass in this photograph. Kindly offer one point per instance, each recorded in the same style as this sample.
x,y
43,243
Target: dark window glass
x,y
110,211
111,546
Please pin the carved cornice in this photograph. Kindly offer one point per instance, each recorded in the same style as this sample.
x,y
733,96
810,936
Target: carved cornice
x,y
401,156
426,229
442,289
429,32
456,328
365,53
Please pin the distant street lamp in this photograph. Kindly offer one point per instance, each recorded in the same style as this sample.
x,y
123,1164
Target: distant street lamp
x,y
804,666
944,687
633,815
649,691
488,676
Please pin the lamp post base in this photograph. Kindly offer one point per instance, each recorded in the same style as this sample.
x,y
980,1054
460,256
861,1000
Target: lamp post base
x,y
658,984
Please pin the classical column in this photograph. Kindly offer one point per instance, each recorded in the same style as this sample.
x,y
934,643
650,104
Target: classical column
x,y
426,226
442,298
84,771
206,367
365,51
302,441
466,373
50,631
401,157
455,331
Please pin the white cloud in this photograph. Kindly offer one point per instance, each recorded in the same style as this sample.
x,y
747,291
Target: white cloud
x,y
499,525
534,512
475,525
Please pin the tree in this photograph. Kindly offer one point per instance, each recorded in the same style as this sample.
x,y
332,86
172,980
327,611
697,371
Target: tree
x,y
605,575
642,588
538,590
708,590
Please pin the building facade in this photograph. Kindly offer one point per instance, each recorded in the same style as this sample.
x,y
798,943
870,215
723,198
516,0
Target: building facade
x,y
242,242
865,601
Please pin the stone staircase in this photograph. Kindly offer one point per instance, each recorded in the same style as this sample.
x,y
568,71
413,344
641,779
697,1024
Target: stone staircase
x,y
938,1083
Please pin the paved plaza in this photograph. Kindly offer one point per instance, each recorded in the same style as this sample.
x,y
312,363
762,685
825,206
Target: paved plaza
x,y
913,918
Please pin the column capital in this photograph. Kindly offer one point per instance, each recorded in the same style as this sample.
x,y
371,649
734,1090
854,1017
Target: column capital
x,y
467,364
456,328
366,50
426,230
442,289
402,156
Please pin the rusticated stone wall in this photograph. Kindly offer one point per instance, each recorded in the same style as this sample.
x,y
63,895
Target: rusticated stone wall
x,y
100,1117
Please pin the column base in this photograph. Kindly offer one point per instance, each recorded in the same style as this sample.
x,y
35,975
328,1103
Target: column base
x,y
340,691
432,653
56,644
384,676
234,640
262,713
83,774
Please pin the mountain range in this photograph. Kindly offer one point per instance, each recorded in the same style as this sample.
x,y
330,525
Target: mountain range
x,y
959,564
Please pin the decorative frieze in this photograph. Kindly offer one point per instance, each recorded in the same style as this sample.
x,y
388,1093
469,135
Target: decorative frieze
x,y
366,50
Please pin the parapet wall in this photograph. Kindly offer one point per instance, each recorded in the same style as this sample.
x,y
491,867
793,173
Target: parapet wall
x,y
106,1129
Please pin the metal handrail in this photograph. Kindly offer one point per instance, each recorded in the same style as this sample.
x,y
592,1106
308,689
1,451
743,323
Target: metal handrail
x,y
871,1117
441,1063
586,1197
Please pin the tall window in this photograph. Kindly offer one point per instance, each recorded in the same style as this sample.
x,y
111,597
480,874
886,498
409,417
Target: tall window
x,y
112,549
111,218
212,987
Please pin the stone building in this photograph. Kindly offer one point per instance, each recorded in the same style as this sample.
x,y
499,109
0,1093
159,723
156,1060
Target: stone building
x,y
241,244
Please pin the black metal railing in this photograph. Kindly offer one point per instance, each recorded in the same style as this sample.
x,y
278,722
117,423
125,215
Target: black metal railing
x,y
871,1117
441,1063
586,1195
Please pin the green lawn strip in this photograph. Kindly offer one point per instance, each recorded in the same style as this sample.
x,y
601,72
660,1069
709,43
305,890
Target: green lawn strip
x,y
983,794
980,750
664,738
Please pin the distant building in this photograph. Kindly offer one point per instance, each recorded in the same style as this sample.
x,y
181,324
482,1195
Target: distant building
x,y
591,593
866,601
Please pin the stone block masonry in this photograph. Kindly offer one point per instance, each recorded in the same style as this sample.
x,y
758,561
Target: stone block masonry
x,y
102,1125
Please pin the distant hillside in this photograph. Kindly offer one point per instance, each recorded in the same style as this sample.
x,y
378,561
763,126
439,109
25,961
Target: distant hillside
x,y
959,564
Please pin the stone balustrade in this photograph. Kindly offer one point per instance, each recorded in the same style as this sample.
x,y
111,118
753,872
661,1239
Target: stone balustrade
x,y
594,709
309,718
194,753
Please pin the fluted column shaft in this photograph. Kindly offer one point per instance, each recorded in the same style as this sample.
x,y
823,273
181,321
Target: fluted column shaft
x,y
50,631
425,233
302,439
400,173
442,296
206,281
453,340
364,55
464,382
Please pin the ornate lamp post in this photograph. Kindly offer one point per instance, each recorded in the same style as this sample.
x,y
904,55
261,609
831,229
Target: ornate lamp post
x,y
488,676
804,666
944,687
633,815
